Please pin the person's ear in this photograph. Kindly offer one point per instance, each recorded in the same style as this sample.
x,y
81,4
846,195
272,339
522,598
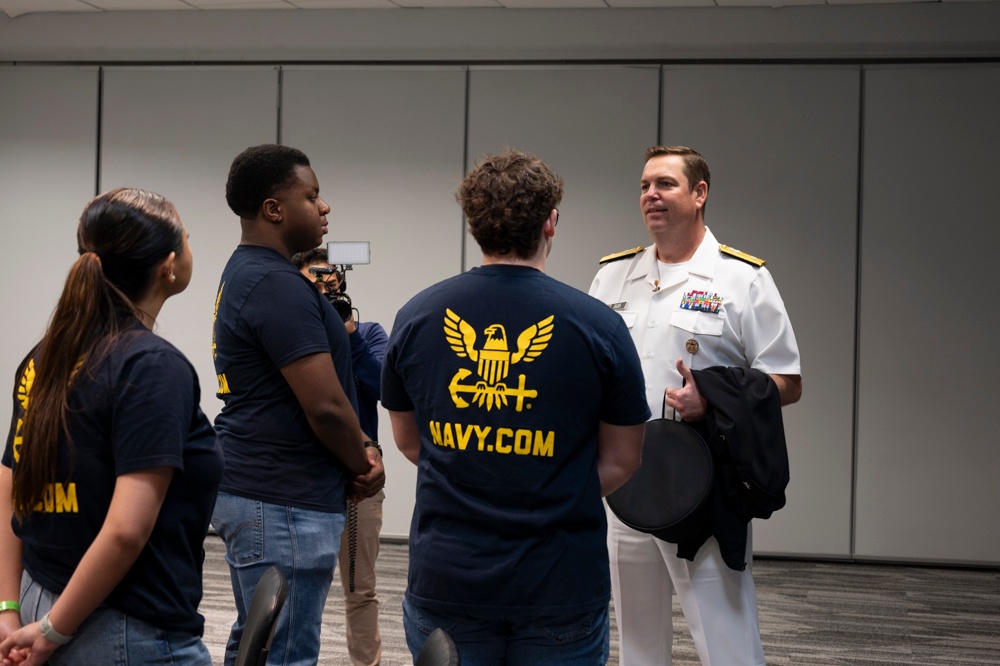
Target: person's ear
x,y
549,228
166,268
272,210
701,193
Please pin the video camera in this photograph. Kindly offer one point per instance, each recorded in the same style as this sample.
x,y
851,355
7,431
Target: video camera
x,y
340,301
342,255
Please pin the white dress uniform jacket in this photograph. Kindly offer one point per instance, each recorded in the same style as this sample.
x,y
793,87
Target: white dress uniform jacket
x,y
715,309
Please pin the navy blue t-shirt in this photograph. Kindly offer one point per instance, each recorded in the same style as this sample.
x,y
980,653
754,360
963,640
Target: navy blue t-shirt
x,y
267,315
508,372
137,410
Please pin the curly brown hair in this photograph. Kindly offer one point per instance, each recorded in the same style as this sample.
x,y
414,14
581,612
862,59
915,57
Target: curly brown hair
x,y
507,198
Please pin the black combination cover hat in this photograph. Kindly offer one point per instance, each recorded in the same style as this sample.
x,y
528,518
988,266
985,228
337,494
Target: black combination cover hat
x,y
666,497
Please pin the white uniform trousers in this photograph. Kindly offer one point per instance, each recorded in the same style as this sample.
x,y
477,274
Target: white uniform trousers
x,y
720,604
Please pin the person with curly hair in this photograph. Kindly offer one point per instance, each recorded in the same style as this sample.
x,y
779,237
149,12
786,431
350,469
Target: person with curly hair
x,y
521,401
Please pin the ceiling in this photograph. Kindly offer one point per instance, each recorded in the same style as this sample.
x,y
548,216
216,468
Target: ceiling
x,y
15,8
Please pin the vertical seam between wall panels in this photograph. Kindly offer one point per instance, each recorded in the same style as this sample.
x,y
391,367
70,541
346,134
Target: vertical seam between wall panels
x,y
100,115
659,106
281,89
465,164
857,311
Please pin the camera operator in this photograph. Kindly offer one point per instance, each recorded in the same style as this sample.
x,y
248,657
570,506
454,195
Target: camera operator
x,y
331,282
360,542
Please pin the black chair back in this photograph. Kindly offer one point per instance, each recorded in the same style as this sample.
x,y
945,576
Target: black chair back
x,y
268,599
438,650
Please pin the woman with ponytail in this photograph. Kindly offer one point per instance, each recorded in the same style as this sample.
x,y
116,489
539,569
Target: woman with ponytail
x,y
111,470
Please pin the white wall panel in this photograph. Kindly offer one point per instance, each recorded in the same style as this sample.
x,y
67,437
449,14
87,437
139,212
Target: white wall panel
x,y
591,126
928,423
175,132
782,145
386,145
48,140
782,141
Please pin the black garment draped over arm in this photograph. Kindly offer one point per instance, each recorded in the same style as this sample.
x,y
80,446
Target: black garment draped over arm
x,y
744,430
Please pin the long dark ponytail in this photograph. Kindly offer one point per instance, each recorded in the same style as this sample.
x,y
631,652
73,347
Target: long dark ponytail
x,y
123,234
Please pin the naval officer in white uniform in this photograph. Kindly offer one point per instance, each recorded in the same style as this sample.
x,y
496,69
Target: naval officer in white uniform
x,y
690,303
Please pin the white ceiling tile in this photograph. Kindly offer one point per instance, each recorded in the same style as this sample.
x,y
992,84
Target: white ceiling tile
x,y
438,4
553,4
767,3
870,2
659,3
240,4
343,4
17,7
117,5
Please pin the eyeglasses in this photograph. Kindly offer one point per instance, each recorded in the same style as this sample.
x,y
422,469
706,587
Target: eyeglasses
x,y
557,218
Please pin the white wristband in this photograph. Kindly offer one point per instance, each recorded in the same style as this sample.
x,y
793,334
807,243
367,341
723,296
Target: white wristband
x,y
49,632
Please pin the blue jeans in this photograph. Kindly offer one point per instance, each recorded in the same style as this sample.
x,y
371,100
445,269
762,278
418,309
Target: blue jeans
x,y
303,544
516,639
110,637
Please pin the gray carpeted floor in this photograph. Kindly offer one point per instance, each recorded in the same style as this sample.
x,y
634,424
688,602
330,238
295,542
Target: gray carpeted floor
x,y
811,614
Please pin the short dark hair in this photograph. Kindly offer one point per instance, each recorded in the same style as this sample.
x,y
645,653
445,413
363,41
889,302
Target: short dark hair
x,y
313,256
319,255
258,173
506,198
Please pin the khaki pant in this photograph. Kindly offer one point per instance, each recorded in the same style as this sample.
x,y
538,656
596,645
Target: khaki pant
x,y
364,641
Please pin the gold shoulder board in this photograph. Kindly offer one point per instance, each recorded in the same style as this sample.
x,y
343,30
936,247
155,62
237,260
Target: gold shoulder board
x,y
624,254
749,258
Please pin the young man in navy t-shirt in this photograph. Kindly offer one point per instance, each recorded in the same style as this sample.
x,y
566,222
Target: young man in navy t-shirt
x,y
294,449
359,545
522,403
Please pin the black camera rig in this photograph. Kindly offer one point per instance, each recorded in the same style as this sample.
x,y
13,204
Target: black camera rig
x,y
340,301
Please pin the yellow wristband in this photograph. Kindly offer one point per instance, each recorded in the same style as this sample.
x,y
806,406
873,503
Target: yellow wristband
x,y
10,606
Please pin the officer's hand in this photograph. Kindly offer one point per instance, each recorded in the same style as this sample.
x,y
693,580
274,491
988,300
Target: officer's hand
x,y
686,402
351,326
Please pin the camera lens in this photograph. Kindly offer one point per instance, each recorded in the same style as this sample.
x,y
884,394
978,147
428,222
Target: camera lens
x,y
341,303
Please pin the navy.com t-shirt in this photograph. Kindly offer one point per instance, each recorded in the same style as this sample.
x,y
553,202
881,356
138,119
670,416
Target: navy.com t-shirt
x,y
268,315
508,372
137,410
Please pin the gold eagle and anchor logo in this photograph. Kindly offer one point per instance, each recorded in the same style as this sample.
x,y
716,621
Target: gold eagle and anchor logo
x,y
493,360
